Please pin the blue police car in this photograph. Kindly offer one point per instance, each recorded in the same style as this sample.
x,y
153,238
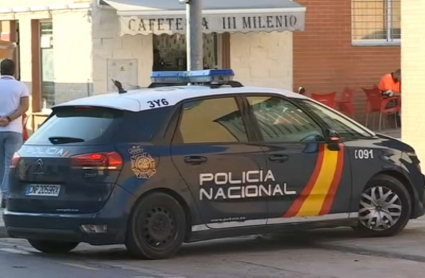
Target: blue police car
x,y
199,156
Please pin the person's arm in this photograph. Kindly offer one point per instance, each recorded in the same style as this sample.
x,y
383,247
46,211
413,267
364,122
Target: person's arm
x,y
23,107
25,104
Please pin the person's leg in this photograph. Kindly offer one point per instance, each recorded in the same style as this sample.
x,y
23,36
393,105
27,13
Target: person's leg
x,y
12,143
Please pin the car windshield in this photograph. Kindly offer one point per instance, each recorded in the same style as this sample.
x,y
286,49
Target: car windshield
x,y
344,127
77,125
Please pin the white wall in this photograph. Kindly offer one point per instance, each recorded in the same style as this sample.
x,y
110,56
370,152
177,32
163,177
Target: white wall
x,y
413,72
108,44
72,51
7,4
263,59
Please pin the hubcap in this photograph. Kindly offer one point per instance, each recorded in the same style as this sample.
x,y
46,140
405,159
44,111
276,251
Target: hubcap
x,y
380,208
159,227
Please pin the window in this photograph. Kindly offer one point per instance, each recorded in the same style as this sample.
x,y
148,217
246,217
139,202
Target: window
x,y
169,52
376,21
75,125
47,65
211,121
344,127
281,121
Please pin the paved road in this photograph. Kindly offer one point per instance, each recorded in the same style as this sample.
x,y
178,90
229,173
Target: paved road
x,y
319,254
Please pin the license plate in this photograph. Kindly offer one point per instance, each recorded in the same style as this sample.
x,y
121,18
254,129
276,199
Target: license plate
x,y
51,190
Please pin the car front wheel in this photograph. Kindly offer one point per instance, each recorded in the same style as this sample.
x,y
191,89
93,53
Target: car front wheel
x,y
53,247
385,207
157,227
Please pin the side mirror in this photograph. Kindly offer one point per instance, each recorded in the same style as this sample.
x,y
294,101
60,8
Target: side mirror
x,y
301,90
333,136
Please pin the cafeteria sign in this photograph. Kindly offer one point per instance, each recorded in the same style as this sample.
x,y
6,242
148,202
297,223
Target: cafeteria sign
x,y
245,23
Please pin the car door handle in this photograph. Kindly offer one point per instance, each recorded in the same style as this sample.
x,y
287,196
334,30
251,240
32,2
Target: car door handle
x,y
278,157
195,159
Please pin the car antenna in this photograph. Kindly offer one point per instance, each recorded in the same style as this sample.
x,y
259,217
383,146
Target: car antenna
x,y
119,86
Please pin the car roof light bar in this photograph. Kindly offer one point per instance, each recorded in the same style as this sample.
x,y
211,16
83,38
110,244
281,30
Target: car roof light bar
x,y
188,77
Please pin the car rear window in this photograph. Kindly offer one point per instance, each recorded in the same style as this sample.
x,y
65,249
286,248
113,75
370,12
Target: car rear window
x,y
96,125
71,125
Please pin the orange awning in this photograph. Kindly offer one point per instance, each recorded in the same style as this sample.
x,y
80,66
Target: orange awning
x,y
6,49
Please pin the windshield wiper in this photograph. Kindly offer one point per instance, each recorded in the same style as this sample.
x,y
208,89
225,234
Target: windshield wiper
x,y
64,140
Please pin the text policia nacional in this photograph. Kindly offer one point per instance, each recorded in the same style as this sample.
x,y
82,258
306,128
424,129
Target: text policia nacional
x,y
252,184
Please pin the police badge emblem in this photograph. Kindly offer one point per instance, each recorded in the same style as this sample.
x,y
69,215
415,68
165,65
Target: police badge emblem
x,y
142,163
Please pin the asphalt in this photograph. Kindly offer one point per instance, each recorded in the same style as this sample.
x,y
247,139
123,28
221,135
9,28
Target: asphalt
x,y
326,253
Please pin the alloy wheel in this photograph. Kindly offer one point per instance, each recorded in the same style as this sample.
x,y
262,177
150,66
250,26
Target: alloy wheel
x,y
380,208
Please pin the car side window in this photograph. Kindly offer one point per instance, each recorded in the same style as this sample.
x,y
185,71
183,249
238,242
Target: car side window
x,y
281,121
215,120
344,127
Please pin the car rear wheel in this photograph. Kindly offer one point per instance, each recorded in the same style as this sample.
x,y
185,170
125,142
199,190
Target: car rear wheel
x,y
53,247
385,207
157,227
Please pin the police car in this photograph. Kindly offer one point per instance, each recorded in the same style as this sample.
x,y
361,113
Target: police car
x,y
199,156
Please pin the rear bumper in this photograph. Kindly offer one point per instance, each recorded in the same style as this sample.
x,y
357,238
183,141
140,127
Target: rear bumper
x,y
64,227
68,226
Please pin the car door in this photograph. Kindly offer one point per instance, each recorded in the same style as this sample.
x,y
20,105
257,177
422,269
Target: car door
x,y
312,178
367,153
211,150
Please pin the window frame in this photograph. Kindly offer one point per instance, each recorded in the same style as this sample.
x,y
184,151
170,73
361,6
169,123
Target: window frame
x,y
253,123
389,23
173,129
328,127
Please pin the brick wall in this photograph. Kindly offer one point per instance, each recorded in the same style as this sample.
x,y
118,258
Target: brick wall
x,y
413,61
325,60
263,59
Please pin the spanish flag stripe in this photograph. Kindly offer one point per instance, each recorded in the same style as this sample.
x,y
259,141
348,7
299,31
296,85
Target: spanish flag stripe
x,y
314,202
327,206
293,210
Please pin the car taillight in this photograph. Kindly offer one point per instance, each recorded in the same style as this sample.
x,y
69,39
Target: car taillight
x,y
101,161
15,160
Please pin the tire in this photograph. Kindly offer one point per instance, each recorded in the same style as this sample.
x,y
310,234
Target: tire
x,y
53,247
395,213
156,227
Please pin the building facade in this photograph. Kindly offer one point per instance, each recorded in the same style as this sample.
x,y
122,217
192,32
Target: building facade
x,y
70,49
347,43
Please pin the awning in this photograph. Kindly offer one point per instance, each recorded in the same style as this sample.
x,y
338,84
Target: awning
x,y
219,16
6,49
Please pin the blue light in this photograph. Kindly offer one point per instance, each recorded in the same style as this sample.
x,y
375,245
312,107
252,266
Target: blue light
x,y
200,76
169,77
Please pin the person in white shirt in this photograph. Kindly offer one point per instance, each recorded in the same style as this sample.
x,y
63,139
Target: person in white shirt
x,y
14,102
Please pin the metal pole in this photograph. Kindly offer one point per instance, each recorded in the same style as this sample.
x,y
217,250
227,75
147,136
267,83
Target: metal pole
x,y
194,42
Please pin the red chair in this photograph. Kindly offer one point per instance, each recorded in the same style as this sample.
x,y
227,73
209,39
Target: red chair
x,y
345,105
376,103
326,99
